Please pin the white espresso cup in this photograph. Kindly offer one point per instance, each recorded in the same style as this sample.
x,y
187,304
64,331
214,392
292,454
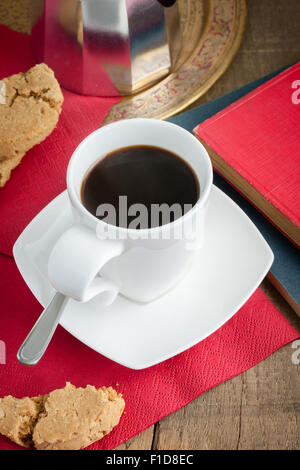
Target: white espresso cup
x,y
94,257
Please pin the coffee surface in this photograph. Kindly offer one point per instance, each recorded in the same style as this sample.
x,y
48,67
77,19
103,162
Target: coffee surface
x,y
147,176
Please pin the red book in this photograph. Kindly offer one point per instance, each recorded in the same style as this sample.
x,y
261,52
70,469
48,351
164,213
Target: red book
x,y
255,144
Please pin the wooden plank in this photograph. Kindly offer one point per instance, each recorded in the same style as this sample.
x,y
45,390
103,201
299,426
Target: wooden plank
x,y
142,441
270,404
209,422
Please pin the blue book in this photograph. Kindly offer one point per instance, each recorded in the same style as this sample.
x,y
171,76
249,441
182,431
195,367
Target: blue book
x,y
285,271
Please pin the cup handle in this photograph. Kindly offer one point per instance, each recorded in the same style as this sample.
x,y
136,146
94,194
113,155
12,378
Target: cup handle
x,y
76,260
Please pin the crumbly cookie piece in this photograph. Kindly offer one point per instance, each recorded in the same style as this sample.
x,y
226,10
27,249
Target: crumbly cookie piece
x,y
6,166
33,102
67,419
18,417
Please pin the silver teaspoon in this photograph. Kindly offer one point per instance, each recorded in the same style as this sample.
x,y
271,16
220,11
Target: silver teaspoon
x,y
37,341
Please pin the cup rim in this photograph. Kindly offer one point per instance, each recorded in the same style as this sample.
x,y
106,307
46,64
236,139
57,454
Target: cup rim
x,y
77,203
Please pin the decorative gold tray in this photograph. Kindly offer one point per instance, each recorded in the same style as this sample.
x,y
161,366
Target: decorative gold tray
x,y
212,33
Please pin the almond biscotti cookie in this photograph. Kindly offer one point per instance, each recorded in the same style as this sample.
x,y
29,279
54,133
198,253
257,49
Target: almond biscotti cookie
x,y
31,110
67,419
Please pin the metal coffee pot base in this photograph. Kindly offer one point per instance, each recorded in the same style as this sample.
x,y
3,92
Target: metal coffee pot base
x,y
107,47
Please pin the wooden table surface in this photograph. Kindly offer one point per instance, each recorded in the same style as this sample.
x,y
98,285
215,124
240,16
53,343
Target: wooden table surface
x,y
260,408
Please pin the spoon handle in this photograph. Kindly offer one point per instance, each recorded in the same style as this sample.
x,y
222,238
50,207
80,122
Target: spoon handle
x,y
40,336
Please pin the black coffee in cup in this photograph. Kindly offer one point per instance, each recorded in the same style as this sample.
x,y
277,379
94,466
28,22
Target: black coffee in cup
x,y
148,177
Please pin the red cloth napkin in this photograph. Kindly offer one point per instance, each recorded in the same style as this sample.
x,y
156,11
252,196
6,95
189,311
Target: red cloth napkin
x,y
41,175
251,335
256,331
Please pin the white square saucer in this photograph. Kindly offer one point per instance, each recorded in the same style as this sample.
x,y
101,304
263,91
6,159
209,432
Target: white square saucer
x,y
225,273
